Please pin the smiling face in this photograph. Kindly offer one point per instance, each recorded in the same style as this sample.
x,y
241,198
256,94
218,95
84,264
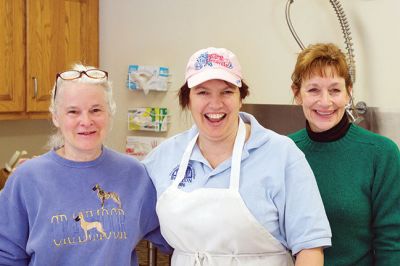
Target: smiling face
x,y
215,106
83,119
323,99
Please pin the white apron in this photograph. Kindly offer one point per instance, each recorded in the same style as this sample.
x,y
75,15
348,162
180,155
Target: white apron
x,y
213,226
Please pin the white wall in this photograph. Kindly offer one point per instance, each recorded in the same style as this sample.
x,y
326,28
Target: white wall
x,y
166,33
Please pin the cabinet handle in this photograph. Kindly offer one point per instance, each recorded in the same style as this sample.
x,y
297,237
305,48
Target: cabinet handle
x,y
35,88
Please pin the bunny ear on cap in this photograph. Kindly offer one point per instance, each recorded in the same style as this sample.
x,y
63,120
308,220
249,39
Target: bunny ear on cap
x,y
213,63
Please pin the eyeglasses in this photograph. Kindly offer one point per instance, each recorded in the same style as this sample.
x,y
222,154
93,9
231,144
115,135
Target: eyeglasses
x,y
76,74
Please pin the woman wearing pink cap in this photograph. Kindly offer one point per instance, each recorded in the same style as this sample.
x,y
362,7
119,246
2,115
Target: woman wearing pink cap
x,y
231,192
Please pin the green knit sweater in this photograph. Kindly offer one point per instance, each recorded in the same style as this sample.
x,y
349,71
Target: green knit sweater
x,y
358,177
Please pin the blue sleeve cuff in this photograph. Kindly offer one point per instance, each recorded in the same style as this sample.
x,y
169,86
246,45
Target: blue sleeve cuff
x,y
315,243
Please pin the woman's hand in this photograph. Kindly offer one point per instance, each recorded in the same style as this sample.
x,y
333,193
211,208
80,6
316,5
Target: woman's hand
x,y
310,257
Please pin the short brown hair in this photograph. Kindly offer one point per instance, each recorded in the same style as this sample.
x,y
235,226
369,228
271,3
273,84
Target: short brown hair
x,y
315,59
184,93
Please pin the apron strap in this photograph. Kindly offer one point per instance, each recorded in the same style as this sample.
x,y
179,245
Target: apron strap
x,y
235,164
237,156
185,161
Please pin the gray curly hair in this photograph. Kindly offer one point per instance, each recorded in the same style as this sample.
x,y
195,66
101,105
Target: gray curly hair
x,y
57,139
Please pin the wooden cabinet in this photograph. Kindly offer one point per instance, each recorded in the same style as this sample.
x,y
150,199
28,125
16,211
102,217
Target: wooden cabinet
x,y
12,56
39,38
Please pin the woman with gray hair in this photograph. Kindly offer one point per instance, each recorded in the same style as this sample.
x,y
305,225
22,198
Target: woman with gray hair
x,y
80,203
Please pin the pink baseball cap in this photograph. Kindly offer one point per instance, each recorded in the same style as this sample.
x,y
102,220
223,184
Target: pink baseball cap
x,y
213,63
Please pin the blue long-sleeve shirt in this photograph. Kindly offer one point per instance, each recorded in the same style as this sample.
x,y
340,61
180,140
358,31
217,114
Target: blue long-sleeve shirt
x,y
276,183
52,212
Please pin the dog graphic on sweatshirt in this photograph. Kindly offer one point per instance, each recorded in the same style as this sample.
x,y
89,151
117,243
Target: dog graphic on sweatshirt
x,y
104,195
86,226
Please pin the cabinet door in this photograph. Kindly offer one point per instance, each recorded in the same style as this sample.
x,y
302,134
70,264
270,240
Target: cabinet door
x,y
12,56
60,33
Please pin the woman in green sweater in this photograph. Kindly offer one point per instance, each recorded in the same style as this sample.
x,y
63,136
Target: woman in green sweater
x,y
357,171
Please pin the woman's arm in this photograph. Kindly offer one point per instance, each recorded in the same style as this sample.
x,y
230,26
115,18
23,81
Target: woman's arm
x,y
385,197
14,224
310,257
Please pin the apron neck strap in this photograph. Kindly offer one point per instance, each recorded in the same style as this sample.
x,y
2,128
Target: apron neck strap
x,y
236,158
185,161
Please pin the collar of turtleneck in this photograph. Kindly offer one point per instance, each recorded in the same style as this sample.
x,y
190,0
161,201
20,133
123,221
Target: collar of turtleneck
x,y
332,134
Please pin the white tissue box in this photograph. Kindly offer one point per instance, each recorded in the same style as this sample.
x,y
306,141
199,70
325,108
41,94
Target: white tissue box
x,y
139,147
148,78
148,119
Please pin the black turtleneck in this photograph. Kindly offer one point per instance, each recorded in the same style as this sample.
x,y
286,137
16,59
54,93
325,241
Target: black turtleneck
x,y
332,134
